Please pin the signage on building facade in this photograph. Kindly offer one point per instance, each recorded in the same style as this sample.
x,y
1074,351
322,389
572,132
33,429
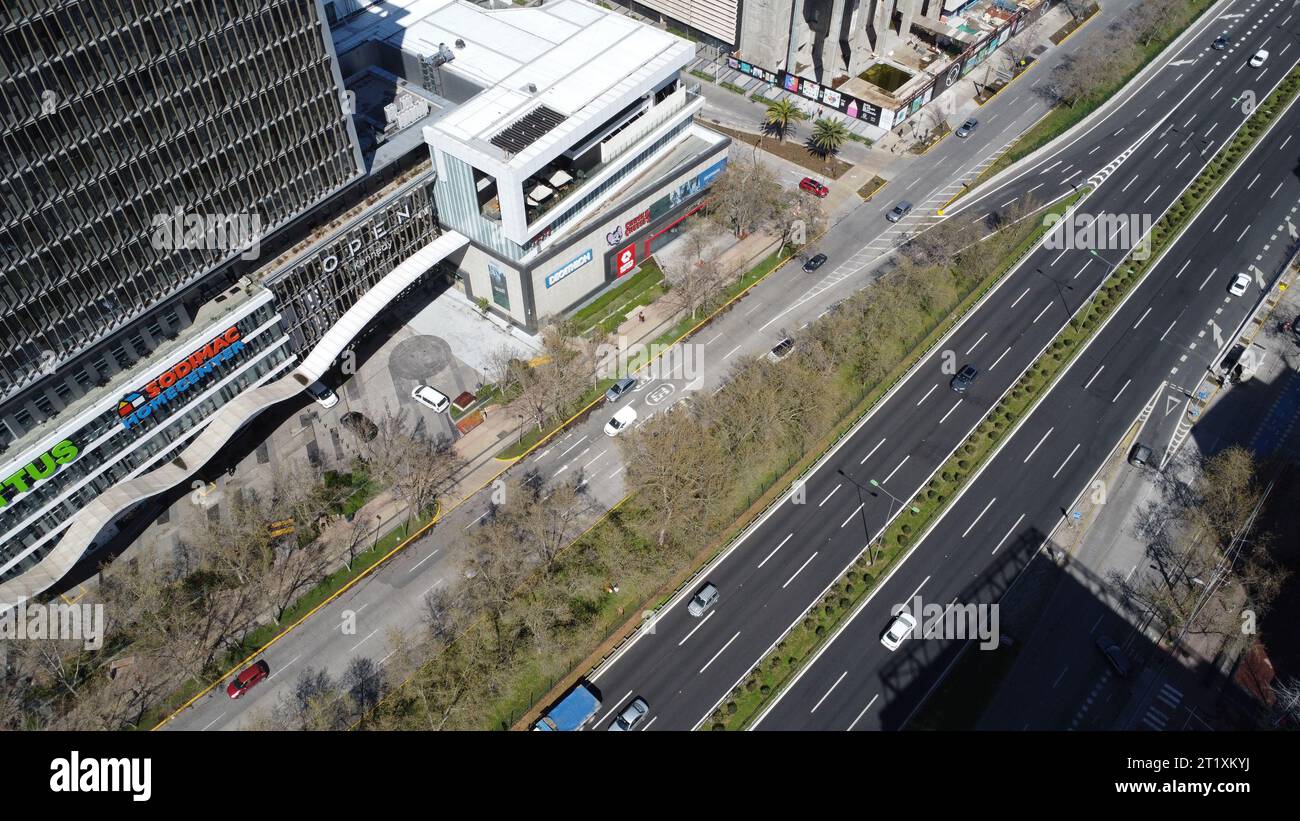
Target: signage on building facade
x,y
139,405
497,278
666,203
569,267
626,260
40,468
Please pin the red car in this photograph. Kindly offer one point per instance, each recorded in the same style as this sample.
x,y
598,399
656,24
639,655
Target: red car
x,y
813,187
245,680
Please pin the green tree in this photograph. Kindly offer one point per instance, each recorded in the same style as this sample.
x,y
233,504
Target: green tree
x,y
828,135
781,117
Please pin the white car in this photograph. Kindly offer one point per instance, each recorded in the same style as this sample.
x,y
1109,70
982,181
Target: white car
x,y
431,398
899,629
1239,285
324,397
1259,58
620,422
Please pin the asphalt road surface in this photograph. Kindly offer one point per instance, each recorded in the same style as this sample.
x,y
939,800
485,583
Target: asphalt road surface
x,y
1173,124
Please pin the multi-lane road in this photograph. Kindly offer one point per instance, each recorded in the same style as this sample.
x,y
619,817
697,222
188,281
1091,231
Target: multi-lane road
x,y
1140,157
356,623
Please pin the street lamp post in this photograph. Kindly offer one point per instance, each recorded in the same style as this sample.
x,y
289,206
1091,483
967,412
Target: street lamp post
x,y
890,515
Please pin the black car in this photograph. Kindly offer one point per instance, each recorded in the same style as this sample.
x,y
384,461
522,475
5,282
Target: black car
x,y
814,263
1221,42
1114,655
962,381
967,127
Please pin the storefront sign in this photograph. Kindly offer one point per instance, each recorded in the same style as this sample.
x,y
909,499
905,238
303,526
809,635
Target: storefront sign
x,y
571,266
139,405
626,260
42,467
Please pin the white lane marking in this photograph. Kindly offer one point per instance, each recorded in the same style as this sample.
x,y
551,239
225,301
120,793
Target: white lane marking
x,y
873,450
1036,447
1144,316
999,359
574,445
1220,222
864,711
828,692
855,512
715,655
1243,233
927,395
430,556
1207,278
773,553
895,470
977,518
977,342
363,641
1121,390
1087,384
1167,330
615,707
800,570
829,495
730,352
1009,532
697,627
1022,296
1063,461
1040,313
956,405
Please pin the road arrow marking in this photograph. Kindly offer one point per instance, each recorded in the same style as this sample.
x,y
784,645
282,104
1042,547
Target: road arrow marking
x,y
1218,334
1181,62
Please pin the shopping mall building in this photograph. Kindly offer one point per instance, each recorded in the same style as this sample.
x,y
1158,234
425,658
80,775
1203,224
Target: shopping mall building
x,y
160,288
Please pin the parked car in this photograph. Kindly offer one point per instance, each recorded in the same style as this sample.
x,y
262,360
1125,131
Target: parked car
x,y
967,127
814,262
619,388
781,350
246,680
902,625
620,421
324,397
1114,655
1221,42
1139,456
631,716
901,210
964,378
814,187
431,398
1259,58
703,599
1239,285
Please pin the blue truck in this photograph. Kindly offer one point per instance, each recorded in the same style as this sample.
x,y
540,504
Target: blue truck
x,y
571,711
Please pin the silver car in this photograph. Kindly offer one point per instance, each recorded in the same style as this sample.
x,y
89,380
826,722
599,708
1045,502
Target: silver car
x,y
631,716
619,388
703,599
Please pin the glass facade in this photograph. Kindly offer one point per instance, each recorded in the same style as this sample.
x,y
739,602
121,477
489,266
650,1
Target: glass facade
x,y
116,114
108,451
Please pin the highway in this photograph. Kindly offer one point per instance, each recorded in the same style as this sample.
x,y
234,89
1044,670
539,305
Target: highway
x,y
1175,122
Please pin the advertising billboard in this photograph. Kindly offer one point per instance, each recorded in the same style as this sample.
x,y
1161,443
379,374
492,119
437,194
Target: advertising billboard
x,y
497,278
568,268
846,104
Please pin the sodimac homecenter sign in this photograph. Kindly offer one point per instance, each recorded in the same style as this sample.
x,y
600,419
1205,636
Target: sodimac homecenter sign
x,y
139,405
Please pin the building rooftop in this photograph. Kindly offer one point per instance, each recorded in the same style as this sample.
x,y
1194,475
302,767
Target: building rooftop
x,y
572,57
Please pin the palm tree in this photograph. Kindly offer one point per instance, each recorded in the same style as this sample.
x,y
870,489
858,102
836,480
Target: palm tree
x,y
782,115
828,135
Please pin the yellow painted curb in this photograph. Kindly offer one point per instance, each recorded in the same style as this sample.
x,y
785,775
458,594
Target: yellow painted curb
x,y
416,535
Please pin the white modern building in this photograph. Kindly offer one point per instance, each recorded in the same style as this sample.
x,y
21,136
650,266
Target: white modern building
x,y
571,146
